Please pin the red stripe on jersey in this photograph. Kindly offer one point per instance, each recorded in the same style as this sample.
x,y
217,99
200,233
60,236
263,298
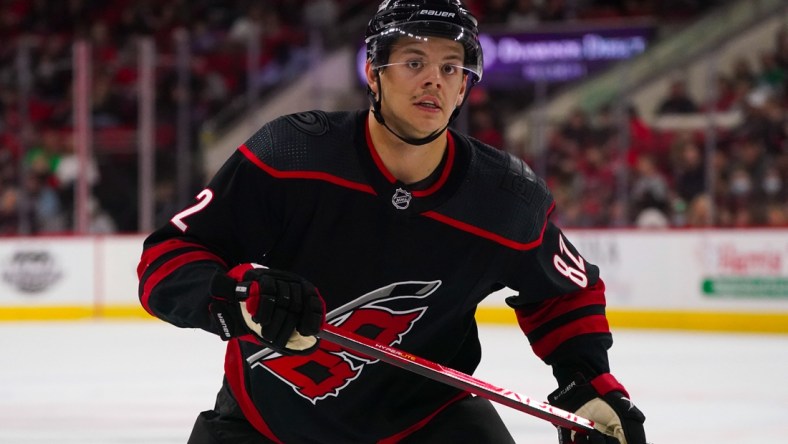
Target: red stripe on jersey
x,y
486,234
314,175
234,370
168,267
156,251
444,174
390,177
419,425
554,307
583,326
378,161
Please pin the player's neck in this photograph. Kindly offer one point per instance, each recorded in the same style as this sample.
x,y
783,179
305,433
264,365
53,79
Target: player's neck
x,y
408,163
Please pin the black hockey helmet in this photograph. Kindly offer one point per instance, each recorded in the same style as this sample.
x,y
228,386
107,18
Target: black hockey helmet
x,y
448,19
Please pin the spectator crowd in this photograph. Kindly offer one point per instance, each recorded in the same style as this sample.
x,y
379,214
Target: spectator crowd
x,y
666,181
651,176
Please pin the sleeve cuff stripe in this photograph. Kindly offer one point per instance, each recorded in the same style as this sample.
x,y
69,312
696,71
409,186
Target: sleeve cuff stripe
x,y
535,334
554,308
586,325
163,271
155,252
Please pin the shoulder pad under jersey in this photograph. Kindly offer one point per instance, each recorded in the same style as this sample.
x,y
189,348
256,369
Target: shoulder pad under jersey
x,y
309,142
501,198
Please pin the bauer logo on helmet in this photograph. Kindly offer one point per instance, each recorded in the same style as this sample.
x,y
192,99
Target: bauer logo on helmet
x,y
437,13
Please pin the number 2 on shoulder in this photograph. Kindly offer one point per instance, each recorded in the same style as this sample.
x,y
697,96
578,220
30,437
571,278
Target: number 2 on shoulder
x,y
576,274
203,199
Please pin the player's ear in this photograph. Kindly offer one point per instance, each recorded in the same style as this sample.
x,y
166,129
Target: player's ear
x,y
372,78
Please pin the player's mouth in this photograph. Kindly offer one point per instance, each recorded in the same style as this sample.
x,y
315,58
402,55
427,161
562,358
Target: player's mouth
x,y
428,104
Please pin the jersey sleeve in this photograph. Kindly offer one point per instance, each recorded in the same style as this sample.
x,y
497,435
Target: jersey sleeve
x,y
560,306
229,222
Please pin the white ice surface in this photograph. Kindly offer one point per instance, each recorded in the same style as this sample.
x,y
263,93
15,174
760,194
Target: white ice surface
x,y
144,382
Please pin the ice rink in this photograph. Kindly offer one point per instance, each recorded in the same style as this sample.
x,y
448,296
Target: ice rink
x,y
144,382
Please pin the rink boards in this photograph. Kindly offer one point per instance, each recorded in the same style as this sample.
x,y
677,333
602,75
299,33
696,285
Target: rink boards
x,y
721,280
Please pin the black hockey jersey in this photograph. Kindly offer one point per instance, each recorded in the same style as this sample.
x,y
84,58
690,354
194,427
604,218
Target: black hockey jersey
x,y
404,265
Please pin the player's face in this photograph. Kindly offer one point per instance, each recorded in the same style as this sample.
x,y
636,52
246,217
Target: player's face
x,y
422,83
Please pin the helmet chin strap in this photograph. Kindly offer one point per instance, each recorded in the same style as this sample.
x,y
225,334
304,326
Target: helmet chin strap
x,y
375,101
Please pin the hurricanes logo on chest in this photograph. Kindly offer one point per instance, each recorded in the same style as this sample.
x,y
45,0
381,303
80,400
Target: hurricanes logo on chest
x,y
328,370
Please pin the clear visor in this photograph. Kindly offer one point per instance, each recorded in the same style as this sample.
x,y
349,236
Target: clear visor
x,y
379,46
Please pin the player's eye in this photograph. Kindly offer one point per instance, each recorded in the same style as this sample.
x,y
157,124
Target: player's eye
x,y
414,64
449,70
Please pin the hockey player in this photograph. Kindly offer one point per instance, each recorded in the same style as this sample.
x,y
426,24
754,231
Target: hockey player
x,y
385,223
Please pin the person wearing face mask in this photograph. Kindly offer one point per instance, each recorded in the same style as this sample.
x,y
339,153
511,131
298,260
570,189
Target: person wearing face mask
x,y
772,184
740,183
386,223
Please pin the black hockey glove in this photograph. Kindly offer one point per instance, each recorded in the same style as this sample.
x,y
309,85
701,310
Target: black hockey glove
x,y
604,401
279,309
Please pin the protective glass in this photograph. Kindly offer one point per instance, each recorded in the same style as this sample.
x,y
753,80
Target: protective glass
x,y
416,67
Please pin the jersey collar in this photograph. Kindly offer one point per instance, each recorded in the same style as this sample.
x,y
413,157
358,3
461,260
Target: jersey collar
x,y
415,198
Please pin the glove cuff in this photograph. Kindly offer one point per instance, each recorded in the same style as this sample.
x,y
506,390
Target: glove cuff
x,y
239,271
581,390
226,318
606,383
222,286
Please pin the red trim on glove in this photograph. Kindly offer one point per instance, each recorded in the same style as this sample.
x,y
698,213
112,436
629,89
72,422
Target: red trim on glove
x,y
238,271
253,302
606,383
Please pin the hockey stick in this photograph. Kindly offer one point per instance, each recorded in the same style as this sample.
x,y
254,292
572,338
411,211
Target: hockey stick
x,y
455,379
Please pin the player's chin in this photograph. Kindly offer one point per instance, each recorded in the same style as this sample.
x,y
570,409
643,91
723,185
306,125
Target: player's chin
x,y
426,131
428,124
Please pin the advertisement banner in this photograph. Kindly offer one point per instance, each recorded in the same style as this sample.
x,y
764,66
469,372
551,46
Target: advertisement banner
x,y
753,268
514,59
731,280
728,270
47,271
691,269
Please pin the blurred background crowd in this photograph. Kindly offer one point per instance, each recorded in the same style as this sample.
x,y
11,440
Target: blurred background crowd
x,y
608,166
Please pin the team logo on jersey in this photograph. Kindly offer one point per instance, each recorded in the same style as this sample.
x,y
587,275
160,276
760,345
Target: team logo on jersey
x,y
401,199
385,315
313,123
